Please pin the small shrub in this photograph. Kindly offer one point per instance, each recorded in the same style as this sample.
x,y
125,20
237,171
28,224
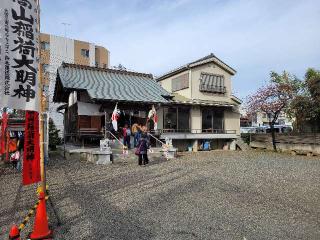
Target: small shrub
x,y
54,138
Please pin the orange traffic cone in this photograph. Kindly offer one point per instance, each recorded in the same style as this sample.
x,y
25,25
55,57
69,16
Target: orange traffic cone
x,y
14,233
41,229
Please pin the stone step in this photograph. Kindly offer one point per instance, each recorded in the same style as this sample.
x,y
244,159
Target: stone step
x,y
242,145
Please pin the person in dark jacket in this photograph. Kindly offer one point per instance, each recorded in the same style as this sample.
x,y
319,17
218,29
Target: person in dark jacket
x,y
143,146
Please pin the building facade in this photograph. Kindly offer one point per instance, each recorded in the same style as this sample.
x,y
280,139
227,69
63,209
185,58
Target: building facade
x,y
54,51
90,95
203,107
194,104
261,119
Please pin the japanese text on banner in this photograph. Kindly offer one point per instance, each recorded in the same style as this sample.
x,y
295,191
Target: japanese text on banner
x,y
19,55
31,154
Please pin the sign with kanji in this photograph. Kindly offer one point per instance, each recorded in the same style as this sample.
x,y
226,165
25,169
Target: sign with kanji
x,y
19,55
31,150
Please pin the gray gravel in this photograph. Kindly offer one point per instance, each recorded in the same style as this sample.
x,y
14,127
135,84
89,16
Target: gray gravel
x,y
208,195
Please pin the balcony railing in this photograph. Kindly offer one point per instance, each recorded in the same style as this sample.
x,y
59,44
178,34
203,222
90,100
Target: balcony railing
x,y
196,131
212,89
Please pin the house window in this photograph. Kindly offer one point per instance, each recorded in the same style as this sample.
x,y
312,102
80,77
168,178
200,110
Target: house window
x,y
212,120
45,45
177,119
183,119
170,118
212,83
180,82
85,53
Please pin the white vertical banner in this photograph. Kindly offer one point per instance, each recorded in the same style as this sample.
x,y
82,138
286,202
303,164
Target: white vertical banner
x,y
19,55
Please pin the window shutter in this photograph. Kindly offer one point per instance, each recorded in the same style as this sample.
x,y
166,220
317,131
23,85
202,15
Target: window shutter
x,y
212,83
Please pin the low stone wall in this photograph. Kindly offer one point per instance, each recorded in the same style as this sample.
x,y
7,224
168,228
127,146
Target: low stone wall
x,y
89,155
295,143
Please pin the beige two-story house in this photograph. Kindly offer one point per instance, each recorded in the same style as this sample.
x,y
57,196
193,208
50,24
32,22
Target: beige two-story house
x,y
203,108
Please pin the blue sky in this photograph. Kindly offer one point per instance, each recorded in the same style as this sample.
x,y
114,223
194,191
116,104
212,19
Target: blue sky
x,y
252,36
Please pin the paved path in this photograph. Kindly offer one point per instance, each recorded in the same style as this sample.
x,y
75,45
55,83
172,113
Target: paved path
x,y
213,195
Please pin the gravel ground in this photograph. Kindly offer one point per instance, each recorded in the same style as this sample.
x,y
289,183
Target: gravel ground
x,y
208,195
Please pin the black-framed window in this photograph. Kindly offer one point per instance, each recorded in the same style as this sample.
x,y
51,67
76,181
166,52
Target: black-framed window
x,y
212,119
176,118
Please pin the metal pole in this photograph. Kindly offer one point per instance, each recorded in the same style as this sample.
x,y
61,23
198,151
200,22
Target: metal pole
x,y
157,139
105,125
64,136
115,138
47,134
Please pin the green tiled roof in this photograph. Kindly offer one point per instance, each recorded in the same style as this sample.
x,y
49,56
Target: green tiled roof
x,y
109,84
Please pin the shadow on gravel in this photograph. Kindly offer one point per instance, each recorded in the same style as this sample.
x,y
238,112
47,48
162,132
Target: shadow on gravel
x,y
157,160
106,221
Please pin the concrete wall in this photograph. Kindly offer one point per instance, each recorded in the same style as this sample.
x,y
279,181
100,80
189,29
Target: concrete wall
x,y
289,148
92,55
102,57
78,58
307,143
182,145
196,118
193,91
61,50
167,85
212,69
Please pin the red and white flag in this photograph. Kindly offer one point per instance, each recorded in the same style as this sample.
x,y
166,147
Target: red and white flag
x,y
114,118
153,115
